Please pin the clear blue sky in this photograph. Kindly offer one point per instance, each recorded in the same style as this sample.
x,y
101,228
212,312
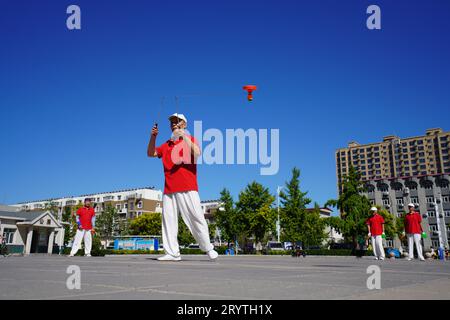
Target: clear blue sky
x,y
76,107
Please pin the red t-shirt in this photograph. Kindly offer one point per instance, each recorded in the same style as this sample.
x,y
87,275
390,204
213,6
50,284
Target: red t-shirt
x,y
412,223
180,167
86,215
376,224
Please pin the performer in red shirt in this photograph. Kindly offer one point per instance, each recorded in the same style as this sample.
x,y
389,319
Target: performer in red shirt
x,y
179,156
86,223
375,224
413,230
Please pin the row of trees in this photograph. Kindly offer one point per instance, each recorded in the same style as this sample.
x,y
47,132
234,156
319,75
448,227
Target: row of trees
x,y
253,216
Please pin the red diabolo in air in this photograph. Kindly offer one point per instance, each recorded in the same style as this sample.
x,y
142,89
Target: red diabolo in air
x,y
249,89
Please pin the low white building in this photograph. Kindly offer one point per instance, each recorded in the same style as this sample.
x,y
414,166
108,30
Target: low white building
x,y
130,203
30,232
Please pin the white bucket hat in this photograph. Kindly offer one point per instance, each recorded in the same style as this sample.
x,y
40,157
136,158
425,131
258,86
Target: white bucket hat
x,y
373,209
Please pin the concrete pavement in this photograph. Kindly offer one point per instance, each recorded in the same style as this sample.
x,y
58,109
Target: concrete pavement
x,y
230,277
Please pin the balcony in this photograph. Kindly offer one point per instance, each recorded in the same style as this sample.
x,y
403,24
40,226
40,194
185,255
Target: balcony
x,y
136,196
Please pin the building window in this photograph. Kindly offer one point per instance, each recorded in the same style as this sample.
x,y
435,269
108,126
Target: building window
x,y
415,200
446,198
430,199
431,214
8,235
118,207
400,201
435,243
125,205
447,213
139,205
433,227
386,202
119,198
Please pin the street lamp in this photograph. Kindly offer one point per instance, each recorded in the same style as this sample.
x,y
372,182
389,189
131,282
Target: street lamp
x,y
278,209
442,243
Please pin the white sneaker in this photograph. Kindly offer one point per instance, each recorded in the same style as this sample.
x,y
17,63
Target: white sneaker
x,y
376,258
422,259
212,254
87,255
168,257
70,256
409,259
381,258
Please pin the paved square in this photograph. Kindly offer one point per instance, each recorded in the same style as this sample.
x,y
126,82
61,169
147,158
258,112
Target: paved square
x,y
231,277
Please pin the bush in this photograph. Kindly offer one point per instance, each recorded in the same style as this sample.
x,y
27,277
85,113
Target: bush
x,y
277,252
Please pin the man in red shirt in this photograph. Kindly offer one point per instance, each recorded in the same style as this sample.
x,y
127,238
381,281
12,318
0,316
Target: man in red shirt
x,y
413,230
179,156
86,223
375,224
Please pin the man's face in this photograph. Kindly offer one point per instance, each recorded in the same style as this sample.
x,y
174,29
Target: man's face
x,y
176,123
411,209
373,212
87,204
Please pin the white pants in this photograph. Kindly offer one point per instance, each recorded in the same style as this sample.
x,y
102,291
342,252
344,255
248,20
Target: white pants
x,y
416,237
377,247
188,204
86,234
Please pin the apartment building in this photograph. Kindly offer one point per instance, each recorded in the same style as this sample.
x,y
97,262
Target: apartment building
x,y
396,158
399,171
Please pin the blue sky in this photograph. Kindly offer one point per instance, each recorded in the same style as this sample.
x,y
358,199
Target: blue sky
x,y
76,107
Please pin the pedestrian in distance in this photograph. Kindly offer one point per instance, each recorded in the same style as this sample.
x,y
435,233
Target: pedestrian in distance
x,y
85,217
413,230
375,225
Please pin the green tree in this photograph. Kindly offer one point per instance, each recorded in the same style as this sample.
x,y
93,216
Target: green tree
x,y
399,223
226,217
253,217
185,237
212,230
124,227
262,222
297,223
353,206
69,216
53,208
107,223
70,228
146,224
